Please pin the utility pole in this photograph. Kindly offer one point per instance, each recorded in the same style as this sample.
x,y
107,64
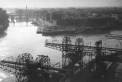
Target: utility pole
x,y
26,13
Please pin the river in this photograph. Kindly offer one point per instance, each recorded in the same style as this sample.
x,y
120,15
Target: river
x,y
22,38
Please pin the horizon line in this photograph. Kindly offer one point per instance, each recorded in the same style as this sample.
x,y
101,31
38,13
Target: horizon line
x,y
62,7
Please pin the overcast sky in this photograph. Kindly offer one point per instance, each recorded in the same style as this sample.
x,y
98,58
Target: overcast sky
x,y
58,3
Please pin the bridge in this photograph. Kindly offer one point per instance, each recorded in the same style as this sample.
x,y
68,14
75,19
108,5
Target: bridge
x,y
84,58
79,48
27,69
78,61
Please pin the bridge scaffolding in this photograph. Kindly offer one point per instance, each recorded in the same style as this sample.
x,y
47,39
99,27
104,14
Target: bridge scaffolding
x,y
77,59
84,58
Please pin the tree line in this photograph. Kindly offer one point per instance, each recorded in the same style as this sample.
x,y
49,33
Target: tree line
x,y
4,22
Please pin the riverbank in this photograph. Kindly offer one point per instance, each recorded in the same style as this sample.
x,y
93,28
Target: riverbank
x,y
56,30
53,29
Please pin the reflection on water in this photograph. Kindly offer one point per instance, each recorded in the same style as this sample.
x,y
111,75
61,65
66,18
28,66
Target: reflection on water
x,y
23,38
4,77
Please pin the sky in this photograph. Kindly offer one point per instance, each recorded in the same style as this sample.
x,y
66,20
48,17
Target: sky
x,y
59,3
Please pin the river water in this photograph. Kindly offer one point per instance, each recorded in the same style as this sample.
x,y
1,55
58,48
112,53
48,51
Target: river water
x,y
22,38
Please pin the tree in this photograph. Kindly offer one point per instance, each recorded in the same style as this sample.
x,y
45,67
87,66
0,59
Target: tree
x,y
4,22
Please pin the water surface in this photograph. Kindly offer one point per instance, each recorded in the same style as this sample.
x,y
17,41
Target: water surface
x,y
23,38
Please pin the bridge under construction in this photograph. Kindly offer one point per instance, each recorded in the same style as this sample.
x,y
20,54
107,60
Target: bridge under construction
x,y
80,63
